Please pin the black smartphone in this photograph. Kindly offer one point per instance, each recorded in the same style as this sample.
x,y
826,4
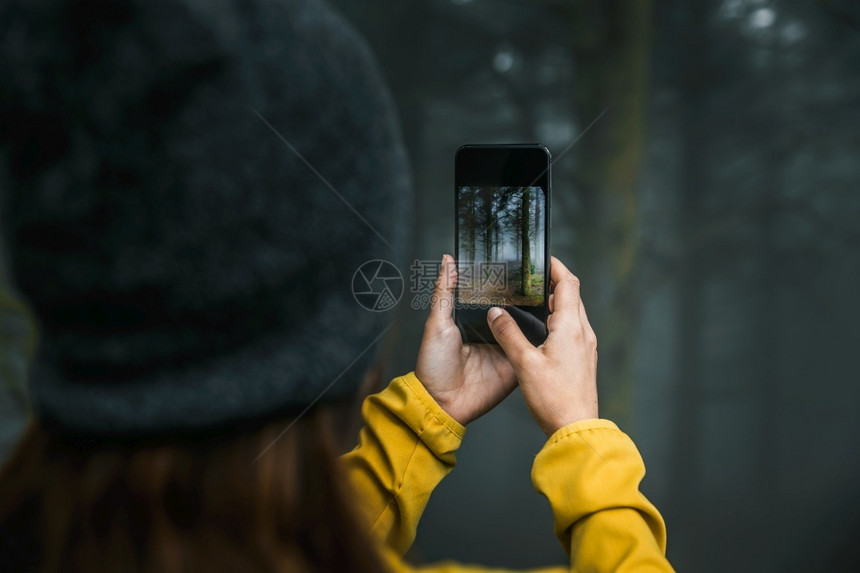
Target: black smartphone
x,y
502,237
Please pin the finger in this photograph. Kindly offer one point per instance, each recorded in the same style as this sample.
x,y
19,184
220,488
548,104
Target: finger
x,y
442,301
509,336
557,271
550,302
588,332
583,316
566,293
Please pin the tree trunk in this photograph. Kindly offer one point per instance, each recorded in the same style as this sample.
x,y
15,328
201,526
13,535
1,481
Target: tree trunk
x,y
516,238
17,346
537,229
525,234
496,238
612,49
693,181
488,225
472,221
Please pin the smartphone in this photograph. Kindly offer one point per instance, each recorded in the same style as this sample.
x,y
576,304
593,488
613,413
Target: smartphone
x,y
502,238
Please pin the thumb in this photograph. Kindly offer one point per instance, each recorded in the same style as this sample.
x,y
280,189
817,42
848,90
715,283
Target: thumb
x,y
442,301
508,334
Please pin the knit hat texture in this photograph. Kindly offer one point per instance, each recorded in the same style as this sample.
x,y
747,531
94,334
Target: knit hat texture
x,y
188,188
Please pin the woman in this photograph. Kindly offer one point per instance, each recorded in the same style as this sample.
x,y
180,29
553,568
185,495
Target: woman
x,y
588,470
180,184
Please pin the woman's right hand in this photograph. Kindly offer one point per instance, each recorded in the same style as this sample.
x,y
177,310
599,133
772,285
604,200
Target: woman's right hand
x,y
558,379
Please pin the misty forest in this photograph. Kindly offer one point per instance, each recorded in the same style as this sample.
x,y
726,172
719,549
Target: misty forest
x,y
706,190
502,225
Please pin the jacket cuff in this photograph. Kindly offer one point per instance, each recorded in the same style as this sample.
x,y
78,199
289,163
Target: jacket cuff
x,y
416,408
582,425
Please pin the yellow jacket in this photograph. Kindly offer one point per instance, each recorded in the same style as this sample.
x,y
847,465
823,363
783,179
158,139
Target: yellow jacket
x,y
589,471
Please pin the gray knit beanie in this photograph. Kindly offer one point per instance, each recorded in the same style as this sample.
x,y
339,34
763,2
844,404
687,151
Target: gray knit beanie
x,y
189,268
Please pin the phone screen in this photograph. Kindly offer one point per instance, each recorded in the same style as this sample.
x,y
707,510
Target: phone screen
x,y
502,214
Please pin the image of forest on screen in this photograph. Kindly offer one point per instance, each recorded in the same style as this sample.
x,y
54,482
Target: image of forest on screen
x,y
501,245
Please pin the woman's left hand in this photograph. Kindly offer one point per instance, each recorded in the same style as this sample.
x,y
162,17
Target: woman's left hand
x,y
467,380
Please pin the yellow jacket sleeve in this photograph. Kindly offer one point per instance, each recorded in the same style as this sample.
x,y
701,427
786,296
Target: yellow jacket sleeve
x,y
404,450
589,471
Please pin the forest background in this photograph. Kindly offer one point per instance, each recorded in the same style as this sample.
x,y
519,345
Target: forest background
x,y
706,184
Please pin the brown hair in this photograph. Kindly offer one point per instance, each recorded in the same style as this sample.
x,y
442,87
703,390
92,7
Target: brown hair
x,y
184,505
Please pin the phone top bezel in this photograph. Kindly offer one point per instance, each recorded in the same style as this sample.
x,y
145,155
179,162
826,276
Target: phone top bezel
x,y
509,164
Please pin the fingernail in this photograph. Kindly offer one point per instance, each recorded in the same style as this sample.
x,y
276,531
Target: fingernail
x,y
494,313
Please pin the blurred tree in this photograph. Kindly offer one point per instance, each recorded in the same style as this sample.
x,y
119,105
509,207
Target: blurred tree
x,y
691,41
17,345
612,41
